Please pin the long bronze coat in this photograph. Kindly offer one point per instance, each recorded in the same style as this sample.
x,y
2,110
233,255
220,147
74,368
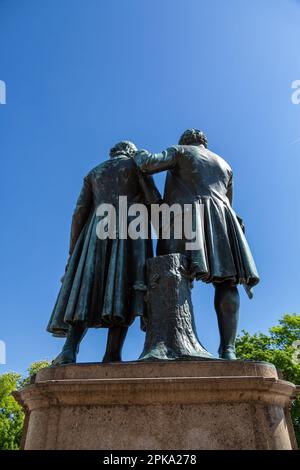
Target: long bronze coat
x,y
103,277
197,175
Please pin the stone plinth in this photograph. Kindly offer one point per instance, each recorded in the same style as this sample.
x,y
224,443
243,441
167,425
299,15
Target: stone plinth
x,y
158,405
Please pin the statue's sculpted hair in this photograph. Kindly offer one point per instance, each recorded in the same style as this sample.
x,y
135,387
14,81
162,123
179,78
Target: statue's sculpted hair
x,y
125,147
193,136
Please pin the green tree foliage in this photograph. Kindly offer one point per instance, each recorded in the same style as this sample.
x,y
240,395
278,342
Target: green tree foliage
x,y
31,371
11,413
281,347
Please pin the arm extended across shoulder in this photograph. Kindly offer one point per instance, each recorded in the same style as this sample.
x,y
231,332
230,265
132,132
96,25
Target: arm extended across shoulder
x,y
150,163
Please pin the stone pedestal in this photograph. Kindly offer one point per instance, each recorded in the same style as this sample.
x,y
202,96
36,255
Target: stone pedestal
x,y
160,406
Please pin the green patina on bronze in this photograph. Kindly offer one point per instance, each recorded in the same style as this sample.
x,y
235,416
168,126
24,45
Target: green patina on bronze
x,y
105,280
104,283
195,175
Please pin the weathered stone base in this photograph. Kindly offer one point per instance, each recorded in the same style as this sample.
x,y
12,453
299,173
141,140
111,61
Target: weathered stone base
x,y
161,406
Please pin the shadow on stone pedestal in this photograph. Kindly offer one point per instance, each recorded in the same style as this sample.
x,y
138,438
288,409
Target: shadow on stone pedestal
x,y
159,405
171,332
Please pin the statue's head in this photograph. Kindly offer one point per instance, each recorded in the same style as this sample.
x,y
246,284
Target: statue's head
x,y
193,137
123,148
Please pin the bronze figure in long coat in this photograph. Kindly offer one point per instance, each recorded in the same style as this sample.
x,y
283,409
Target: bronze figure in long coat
x,y
105,281
198,176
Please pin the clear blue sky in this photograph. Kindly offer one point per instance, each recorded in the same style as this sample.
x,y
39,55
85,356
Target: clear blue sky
x,y
80,76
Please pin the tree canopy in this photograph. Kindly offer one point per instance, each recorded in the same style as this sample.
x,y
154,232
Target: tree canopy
x,y
11,413
281,347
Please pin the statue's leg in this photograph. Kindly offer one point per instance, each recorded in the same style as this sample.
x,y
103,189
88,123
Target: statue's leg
x,y
115,340
71,347
227,303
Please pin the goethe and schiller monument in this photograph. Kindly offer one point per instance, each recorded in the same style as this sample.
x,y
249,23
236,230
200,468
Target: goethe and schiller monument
x,y
176,395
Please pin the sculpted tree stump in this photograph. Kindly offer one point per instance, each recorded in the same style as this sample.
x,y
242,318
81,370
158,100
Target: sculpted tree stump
x,y
170,330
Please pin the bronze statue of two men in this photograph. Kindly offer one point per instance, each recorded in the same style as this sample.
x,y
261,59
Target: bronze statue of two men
x,y
105,281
